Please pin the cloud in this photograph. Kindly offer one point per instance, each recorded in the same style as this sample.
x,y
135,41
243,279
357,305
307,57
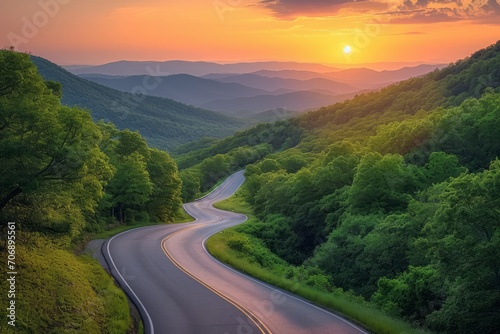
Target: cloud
x,y
295,8
433,11
492,6
408,33
396,11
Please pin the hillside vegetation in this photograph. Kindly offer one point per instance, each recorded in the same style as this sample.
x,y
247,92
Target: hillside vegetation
x,y
165,123
392,195
62,176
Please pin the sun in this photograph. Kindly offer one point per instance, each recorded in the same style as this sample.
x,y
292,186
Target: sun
x,y
347,49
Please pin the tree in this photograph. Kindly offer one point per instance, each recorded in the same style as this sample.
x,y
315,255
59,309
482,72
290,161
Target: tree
x,y
339,255
40,141
165,200
130,142
130,186
381,184
414,294
190,184
464,241
442,166
214,169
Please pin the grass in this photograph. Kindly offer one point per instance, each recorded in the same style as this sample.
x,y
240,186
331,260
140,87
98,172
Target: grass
x,y
249,255
58,292
117,305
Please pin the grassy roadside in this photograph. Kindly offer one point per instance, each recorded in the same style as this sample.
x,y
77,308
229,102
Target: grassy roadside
x,y
59,292
249,255
121,300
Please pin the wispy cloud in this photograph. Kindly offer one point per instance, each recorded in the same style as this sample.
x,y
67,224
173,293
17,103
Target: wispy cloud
x,y
399,11
433,11
407,33
296,8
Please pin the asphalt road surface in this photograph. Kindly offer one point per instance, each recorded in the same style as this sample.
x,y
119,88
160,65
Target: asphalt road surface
x,y
179,288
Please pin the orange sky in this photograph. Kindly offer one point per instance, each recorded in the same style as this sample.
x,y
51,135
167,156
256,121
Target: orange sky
x,y
93,32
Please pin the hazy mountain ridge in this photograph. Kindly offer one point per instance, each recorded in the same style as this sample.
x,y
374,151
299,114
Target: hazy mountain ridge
x,y
234,89
184,88
355,75
294,101
165,123
242,94
273,83
197,68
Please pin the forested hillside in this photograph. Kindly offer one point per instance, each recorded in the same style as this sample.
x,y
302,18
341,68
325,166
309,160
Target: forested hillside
x,y
393,195
63,176
165,123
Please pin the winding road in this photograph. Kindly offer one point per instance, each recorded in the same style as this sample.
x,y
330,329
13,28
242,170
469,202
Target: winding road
x,y
179,288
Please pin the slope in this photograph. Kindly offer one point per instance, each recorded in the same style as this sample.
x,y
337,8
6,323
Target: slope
x,y
392,195
295,101
165,123
271,84
179,87
356,76
440,88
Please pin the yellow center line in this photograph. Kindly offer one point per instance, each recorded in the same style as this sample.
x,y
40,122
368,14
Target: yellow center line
x,y
260,325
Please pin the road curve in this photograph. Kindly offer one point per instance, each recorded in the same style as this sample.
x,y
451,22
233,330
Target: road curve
x,y
179,288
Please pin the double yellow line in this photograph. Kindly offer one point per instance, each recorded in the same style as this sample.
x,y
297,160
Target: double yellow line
x,y
258,323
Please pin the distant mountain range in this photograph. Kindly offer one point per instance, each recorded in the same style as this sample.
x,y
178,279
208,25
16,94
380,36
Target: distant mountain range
x,y
236,93
198,68
164,123
179,87
295,101
229,88
274,83
356,76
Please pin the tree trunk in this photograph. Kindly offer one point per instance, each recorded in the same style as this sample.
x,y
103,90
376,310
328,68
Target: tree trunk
x,y
9,197
120,214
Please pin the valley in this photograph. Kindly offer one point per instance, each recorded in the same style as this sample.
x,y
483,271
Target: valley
x,y
370,197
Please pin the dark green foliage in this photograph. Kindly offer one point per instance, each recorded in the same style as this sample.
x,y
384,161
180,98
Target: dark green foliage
x,y
190,184
221,158
146,184
277,136
418,238
381,185
415,294
130,187
165,199
464,244
50,159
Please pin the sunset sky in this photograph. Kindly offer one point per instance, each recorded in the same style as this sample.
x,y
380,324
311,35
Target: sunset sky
x,y
97,31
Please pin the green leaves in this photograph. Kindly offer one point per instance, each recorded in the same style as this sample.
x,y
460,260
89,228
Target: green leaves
x,y
165,200
49,154
381,184
55,159
418,234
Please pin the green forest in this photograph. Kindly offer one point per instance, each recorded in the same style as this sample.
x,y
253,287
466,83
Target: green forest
x,y
64,177
392,196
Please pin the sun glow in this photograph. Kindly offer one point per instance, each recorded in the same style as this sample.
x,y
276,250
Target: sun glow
x,y
347,49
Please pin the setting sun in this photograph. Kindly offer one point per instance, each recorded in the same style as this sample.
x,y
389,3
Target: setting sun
x,y
347,49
